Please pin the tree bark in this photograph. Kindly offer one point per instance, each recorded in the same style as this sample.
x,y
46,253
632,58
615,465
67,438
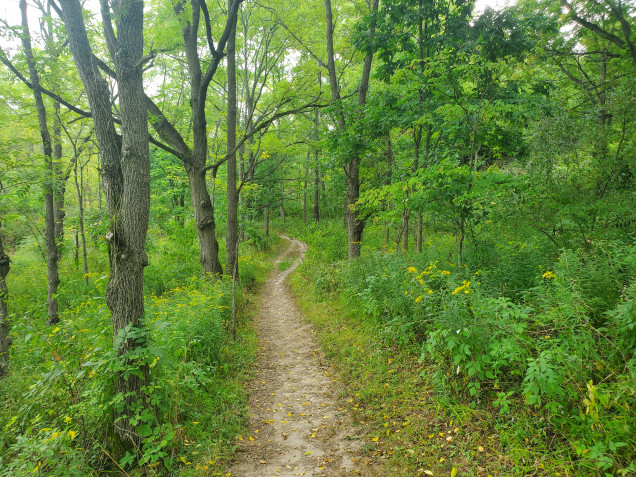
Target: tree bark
x,y
125,166
231,231
49,178
5,264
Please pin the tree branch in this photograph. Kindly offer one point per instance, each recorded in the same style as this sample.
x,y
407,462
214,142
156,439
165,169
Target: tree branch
x,y
208,28
50,94
591,26
264,125
229,24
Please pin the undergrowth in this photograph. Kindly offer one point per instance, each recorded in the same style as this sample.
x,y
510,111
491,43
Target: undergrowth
x,y
57,413
520,360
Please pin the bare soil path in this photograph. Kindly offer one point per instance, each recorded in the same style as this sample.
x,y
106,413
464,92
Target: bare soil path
x,y
297,427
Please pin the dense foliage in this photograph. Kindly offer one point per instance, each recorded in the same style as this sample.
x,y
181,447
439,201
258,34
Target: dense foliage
x,y
483,163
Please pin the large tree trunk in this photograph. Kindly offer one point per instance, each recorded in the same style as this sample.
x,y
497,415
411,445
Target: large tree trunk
x,y
231,231
205,222
49,180
5,264
125,168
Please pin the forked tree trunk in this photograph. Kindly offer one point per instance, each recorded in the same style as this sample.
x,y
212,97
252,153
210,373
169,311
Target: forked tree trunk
x,y
195,158
5,264
125,168
49,178
355,223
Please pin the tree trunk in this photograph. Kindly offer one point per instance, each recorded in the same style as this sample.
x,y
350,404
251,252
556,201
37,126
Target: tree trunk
x,y
231,231
316,188
355,224
195,159
266,221
5,264
82,235
125,166
316,170
49,180
59,188
418,232
460,240
281,208
387,181
205,222
405,229
305,184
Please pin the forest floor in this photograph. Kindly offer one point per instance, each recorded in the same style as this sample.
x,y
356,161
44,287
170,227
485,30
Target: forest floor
x,y
299,427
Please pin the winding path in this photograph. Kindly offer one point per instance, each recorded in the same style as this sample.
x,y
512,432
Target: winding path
x,y
297,428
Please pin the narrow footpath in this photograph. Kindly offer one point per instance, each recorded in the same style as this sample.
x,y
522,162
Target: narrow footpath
x,y
297,427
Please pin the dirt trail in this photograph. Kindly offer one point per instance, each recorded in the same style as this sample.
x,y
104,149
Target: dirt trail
x,y
297,427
